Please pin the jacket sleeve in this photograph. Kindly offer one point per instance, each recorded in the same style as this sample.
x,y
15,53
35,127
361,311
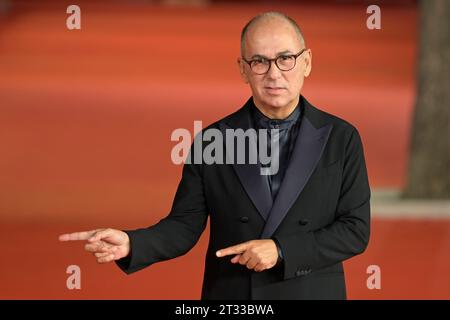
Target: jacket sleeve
x,y
348,235
177,233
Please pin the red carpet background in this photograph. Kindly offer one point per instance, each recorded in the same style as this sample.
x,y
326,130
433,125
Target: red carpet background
x,y
86,117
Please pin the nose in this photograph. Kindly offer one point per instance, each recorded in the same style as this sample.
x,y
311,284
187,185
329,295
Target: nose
x,y
274,72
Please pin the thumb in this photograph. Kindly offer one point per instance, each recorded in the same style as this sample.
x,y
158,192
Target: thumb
x,y
99,235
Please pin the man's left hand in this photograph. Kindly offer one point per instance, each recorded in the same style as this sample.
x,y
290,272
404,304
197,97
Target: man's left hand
x,y
257,255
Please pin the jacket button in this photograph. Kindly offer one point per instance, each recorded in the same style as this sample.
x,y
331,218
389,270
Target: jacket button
x,y
303,222
244,219
298,273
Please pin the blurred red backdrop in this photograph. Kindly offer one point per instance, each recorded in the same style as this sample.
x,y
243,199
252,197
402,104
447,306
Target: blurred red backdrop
x,y
86,117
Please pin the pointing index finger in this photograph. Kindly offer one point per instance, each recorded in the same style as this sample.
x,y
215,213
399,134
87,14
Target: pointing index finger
x,y
76,236
236,249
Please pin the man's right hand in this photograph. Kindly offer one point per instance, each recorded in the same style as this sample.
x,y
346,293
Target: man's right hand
x,y
105,244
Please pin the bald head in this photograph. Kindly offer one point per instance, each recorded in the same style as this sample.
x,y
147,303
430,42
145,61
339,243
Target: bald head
x,y
266,20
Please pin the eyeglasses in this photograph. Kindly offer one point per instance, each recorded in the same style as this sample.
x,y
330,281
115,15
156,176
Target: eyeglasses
x,y
284,62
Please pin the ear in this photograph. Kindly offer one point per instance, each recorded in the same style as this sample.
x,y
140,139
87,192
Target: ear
x,y
241,66
308,62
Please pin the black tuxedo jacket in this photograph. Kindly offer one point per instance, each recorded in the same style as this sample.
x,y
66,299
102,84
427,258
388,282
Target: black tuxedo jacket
x,y
320,217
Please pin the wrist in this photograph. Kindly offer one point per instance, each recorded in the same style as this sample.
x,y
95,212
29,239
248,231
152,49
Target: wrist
x,y
280,252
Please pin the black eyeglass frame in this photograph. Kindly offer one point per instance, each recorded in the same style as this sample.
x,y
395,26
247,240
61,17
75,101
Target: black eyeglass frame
x,y
275,60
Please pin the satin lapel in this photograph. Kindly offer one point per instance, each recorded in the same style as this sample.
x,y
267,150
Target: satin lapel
x,y
255,185
308,149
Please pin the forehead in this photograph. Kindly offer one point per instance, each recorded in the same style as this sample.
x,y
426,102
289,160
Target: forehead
x,y
271,37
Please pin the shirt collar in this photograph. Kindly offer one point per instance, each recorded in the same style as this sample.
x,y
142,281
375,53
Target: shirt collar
x,y
264,122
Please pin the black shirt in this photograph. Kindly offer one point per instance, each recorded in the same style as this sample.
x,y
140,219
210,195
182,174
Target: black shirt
x,y
286,136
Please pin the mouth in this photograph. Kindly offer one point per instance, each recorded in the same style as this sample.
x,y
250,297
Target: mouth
x,y
274,90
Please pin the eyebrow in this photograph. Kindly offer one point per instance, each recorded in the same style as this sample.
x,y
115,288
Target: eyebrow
x,y
277,55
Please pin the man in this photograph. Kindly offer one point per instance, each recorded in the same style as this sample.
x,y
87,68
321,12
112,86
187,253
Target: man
x,y
286,233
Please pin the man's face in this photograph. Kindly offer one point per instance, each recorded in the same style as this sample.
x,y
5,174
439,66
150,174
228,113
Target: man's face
x,y
276,88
